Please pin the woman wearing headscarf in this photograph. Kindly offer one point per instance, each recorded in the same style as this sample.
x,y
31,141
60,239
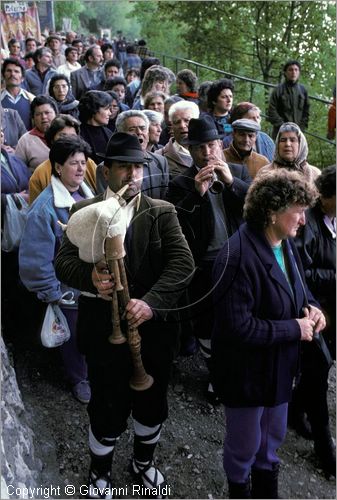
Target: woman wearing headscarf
x,y
291,152
59,89
263,311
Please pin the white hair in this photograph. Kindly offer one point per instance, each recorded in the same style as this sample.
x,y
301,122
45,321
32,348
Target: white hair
x,y
153,116
122,117
184,106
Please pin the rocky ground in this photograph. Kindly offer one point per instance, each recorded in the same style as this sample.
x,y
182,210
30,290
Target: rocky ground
x,y
190,451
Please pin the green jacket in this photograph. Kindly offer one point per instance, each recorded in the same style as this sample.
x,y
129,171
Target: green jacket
x,y
288,103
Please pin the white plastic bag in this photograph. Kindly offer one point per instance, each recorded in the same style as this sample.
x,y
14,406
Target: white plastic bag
x,y
14,222
55,330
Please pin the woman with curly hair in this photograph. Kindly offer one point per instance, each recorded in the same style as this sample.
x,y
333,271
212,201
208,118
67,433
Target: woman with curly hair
x,y
263,311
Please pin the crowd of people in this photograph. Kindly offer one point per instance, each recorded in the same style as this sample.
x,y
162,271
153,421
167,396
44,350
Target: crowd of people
x,y
230,247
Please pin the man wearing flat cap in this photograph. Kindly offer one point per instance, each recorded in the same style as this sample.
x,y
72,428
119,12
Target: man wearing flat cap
x,y
159,266
209,201
241,150
54,42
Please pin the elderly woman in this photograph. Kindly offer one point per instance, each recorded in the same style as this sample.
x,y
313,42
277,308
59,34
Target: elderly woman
x,y
291,152
155,100
264,144
41,239
59,89
61,126
32,147
167,125
156,119
316,243
263,311
95,114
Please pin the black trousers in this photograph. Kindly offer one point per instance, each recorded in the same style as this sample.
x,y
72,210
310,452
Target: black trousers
x,y
110,369
311,391
201,309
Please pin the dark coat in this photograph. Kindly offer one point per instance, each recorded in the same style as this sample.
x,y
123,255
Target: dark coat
x,y
80,81
195,211
156,176
317,248
97,138
256,339
288,103
14,183
159,267
12,126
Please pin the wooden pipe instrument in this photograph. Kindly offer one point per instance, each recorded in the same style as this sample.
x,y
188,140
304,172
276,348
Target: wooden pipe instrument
x,y
114,254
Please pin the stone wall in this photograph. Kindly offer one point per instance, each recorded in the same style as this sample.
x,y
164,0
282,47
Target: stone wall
x,y
19,466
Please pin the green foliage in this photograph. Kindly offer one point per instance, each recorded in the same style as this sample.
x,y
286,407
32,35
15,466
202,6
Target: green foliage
x,y
247,38
69,10
162,32
112,15
251,39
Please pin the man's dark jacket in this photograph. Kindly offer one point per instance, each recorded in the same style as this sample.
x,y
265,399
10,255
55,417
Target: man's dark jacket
x,y
195,211
159,266
281,108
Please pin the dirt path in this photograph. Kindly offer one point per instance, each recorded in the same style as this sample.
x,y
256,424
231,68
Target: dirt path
x,y
190,451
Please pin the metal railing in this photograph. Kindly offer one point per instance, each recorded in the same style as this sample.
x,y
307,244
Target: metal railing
x,y
198,66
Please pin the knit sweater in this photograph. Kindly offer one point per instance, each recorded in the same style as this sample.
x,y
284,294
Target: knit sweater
x,y
31,150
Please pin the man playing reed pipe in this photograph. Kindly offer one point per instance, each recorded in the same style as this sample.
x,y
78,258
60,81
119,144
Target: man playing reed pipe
x,y
159,266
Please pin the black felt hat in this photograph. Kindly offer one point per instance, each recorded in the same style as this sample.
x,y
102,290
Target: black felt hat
x,y
124,147
201,130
